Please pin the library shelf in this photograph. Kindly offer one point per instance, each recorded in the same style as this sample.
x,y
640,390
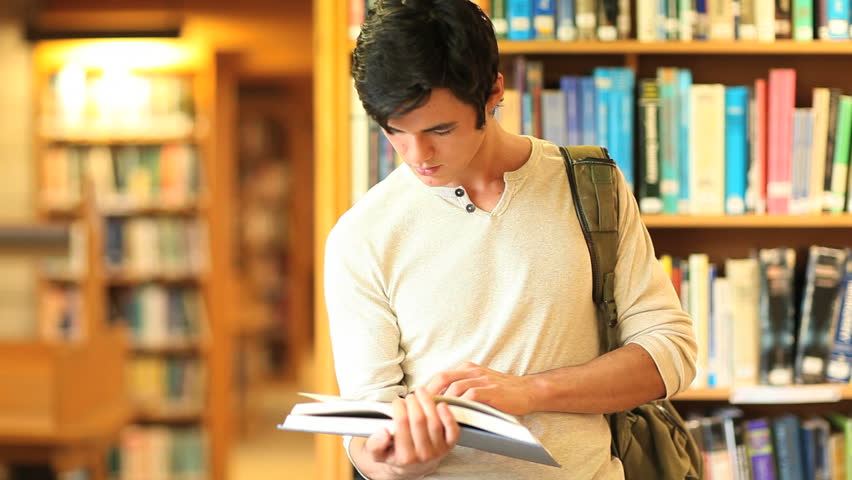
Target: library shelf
x,y
622,47
749,221
770,395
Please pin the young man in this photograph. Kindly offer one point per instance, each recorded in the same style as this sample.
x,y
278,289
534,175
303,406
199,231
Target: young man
x,y
465,272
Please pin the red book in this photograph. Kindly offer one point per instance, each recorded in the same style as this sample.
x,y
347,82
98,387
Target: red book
x,y
782,103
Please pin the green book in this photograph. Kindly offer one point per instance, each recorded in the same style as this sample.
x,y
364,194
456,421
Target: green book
x,y
498,18
840,165
803,20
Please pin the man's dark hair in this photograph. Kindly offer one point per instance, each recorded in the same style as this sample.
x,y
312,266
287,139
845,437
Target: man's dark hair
x,y
409,47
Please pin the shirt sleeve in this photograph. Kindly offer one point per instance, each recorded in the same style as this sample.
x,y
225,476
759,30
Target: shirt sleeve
x,y
364,329
649,311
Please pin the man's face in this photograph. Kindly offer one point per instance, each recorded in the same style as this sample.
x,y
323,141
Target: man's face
x,y
438,140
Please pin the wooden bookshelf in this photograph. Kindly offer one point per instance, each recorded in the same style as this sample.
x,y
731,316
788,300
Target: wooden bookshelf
x,y
818,63
187,206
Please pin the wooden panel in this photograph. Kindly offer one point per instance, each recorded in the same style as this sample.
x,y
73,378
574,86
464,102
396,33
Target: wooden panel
x,y
331,195
27,388
221,300
83,394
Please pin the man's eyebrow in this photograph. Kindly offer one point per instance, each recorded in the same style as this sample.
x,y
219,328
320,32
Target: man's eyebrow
x,y
435,128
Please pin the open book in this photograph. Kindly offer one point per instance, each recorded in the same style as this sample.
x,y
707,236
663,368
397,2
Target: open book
x,y
481,427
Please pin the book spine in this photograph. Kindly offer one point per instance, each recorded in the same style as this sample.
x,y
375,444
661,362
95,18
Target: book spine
x,y
840,164
783,19
607,19
759,441
736,149
839,369
648,174
499,19
566,29
682,146
586,19
803,20
669,160
823,276
776,314
544,19
519,15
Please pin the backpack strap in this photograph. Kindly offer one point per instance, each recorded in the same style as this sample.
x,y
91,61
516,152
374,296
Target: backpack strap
x,y
591,173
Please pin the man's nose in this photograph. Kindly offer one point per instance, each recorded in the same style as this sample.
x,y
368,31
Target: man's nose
x,y
419,150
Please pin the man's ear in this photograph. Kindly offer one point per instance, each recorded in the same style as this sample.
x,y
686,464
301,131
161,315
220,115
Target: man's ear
x,y
496,95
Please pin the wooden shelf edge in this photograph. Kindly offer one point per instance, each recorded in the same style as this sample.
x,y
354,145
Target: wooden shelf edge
x,y
818,393
622,47
698,47
843,220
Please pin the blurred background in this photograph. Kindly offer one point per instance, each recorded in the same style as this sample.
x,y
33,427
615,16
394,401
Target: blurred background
x,y
156,238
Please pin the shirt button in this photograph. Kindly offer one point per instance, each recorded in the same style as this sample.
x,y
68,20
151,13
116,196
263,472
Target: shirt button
x,y
470,208
459,192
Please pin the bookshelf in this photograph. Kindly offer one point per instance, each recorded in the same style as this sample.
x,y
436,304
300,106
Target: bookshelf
x,y
53,410
135,128
818,63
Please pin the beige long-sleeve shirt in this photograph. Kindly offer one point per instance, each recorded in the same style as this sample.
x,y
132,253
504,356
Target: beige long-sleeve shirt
x,y
415,284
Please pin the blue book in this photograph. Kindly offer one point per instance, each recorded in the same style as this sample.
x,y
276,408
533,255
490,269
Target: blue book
x,y
519,14
588,111
684,86
566,27
837,16
787,442
669,139
603,90
544,19
553,117
839,368
621,122
713,333
571,90
736,148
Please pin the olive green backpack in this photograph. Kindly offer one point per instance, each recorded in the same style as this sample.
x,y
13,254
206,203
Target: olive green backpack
x,y
651,440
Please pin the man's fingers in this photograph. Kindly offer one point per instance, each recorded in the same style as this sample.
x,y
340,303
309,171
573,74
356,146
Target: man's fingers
x,y
451,426
439,383
402,444
461,387
418,422
433,420
378,444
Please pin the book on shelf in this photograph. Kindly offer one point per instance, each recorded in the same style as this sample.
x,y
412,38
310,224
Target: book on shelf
x,y
839,365
481,426
759,321
824,275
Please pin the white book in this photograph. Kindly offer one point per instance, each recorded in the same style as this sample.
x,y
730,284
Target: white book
x,y
721,324
699,309
706,140
646,20
744,289
821,101
481,426
764,13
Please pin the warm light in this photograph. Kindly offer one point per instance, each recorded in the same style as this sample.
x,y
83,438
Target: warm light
x,y
120,54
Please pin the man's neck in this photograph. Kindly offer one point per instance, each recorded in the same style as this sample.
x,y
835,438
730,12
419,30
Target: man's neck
x,y
499,153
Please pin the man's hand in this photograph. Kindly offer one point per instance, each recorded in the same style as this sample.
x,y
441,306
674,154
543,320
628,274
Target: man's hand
x,y
509,393
422,434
